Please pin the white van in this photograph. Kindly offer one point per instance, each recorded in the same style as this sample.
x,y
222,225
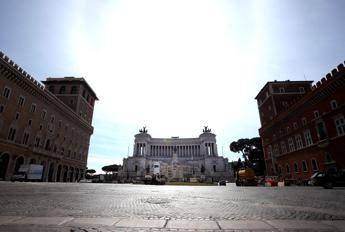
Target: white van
x,y
28,172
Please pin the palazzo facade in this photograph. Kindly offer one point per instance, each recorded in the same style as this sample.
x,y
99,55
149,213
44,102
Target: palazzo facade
x,y
180,158
303,125
46,124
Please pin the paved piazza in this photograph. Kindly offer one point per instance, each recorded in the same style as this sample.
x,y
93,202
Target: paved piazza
x,y
168,207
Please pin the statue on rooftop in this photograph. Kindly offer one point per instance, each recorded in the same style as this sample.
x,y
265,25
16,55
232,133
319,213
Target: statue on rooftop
x,y
143,131
206,129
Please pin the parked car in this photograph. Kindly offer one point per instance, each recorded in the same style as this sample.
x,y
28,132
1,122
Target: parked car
x,y
222,182
317,179
334,179
329,179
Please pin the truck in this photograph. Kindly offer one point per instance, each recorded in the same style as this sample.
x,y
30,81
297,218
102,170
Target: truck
x,y
155,177
246,177
28,172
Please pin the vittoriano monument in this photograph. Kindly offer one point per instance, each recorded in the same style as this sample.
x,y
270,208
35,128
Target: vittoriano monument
x,y
180,158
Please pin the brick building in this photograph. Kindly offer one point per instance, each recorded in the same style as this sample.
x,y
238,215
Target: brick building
x,y
303,125
48,125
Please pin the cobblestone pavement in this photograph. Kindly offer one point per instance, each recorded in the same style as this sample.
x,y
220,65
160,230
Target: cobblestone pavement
x,y
166,204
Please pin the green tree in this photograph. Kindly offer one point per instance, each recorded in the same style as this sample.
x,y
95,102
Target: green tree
x,y
114,169
251,150
91,171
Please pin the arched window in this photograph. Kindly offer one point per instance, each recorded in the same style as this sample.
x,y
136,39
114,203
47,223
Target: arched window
x,y
304,166
62,90
334,104
296,167
214,168
47,147
314,165
74,90
51,89
328,157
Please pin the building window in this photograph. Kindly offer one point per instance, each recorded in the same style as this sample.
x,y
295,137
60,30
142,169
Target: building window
x,y
26,138
279,170
47,146
276,150
44,114
33,108
308,138
340,125
301,90
314,165
299,143
62,90
37,141
214,168
269,152
1,108
41,126
304,166
29,122
283,147
287,167
21,100
316,114
281,90
291,145
296,167
6,93
60,123
51,89
304,121
321,130
74,90
52,119
328,157
295,125
17,116
334,104
11,134
84,93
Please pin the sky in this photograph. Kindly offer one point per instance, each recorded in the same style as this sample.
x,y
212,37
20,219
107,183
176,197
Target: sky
x,y
173,66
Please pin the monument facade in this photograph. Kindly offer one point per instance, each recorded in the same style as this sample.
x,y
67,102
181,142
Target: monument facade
x,y
180,158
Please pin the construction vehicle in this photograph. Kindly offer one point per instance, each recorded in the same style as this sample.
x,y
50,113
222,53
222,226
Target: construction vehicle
x,y
246,177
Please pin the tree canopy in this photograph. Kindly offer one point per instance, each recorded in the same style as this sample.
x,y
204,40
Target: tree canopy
x,y
91,171
252,152
112,168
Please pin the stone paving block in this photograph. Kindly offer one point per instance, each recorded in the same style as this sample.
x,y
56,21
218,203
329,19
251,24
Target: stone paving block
x,y
43,220
142,223
8,219
244,225
93,221
339,224
300,225
192,224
